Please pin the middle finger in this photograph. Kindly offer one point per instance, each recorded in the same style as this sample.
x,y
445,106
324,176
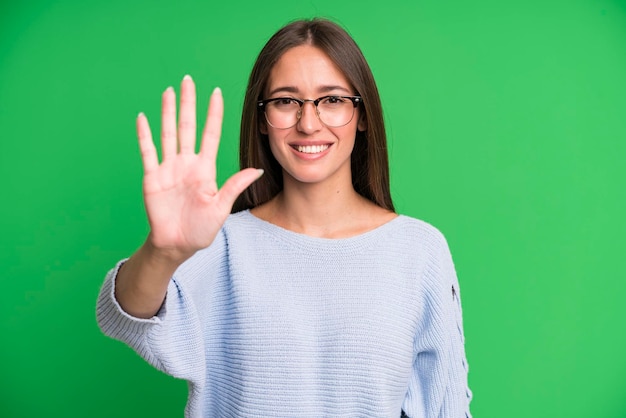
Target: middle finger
x,y
187,118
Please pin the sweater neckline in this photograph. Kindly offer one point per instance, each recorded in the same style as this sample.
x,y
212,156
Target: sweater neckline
x,y
297,236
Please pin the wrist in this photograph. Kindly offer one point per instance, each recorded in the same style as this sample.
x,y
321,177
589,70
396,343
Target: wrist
x,y
164,256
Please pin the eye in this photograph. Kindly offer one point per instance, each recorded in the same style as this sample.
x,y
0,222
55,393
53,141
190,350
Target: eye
x,y
284,102
331,100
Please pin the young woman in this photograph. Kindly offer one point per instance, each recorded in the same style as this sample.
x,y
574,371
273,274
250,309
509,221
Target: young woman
x,y
313,298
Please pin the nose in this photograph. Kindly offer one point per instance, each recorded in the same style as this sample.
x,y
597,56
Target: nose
x,y
308,121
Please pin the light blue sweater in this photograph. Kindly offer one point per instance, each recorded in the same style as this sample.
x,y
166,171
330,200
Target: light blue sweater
x,y
270,323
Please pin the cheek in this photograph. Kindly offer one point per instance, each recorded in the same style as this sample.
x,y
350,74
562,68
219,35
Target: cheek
x,y
277,146
348,133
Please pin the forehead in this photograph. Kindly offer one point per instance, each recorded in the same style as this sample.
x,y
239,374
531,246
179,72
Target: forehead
x,y
306,69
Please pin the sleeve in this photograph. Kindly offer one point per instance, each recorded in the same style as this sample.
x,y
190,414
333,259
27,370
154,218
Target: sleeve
x,y
438,387
173,340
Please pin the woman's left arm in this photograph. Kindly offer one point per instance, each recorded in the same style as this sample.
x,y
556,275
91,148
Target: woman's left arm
x,y
438,387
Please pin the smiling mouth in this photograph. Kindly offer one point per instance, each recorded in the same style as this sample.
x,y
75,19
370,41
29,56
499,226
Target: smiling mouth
x,y
311,149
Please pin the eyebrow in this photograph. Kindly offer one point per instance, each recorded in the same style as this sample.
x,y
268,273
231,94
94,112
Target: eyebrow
x,y
294,90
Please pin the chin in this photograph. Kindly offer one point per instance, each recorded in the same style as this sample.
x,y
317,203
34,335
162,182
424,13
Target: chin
x,y
313,176
308,179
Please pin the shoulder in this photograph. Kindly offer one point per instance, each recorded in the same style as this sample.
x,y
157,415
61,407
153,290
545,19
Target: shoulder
x,y
237,223
243,231
418,231
237,226
237,218
427,245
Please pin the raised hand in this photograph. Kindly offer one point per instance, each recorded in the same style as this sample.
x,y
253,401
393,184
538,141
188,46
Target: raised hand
x,y
184,206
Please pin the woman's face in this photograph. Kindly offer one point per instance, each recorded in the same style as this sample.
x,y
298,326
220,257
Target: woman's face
x,y
311,152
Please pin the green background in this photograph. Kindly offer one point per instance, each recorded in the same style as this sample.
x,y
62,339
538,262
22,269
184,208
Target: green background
x,y
507,130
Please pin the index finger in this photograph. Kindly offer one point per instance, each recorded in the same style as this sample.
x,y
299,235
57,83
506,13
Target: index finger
x,y
213,127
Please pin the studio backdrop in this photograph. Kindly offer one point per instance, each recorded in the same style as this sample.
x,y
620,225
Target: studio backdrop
x,y
507,131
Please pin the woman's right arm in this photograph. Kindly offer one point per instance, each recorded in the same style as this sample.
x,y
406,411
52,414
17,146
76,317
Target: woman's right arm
x,y
185,208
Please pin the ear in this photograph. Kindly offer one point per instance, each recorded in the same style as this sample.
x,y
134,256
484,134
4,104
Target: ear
x,y
263,127
362,125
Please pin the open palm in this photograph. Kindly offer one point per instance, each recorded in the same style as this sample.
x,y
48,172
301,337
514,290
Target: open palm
x,y
185,208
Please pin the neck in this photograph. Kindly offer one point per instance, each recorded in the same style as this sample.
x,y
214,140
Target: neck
x,y
319,205
327,209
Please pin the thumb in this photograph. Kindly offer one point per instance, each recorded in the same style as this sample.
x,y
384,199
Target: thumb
x,y
235,185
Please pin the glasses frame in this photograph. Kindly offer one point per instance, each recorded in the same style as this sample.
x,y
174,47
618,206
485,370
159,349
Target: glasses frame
x,y
356,100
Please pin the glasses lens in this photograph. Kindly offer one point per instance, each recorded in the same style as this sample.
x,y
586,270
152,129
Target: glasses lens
x,y
333,111
282,113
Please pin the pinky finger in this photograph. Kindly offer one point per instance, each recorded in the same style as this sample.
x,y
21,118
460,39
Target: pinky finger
x,y
146,145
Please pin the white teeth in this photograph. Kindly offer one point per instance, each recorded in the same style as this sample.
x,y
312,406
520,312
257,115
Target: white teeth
x,y
311,149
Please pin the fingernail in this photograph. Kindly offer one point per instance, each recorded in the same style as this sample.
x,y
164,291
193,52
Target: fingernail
x,y
217,90
140,115
187,77
260,171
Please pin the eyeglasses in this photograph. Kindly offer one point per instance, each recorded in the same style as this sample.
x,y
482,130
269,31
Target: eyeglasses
x,y
332,111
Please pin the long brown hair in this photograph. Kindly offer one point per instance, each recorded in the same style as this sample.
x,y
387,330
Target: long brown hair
x,y
369,161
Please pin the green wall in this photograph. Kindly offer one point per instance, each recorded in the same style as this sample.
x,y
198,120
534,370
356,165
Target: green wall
x,y
507,126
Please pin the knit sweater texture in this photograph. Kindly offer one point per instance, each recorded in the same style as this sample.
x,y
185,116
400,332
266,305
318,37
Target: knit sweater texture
x,y
267,322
